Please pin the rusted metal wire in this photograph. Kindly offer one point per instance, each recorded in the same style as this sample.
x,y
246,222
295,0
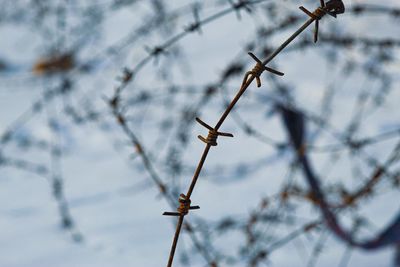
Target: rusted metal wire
x,y
295,126
332,8
160,49
337,41
162,187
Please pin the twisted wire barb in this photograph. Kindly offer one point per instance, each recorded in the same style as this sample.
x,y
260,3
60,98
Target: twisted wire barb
x,y
332,8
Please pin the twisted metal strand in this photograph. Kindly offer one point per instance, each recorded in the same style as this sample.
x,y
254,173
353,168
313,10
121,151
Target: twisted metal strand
x,y
213,133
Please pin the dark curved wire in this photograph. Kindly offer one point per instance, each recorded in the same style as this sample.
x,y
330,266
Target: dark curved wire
x,y
295,126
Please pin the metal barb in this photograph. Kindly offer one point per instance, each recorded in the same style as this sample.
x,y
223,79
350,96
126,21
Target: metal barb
x,y
196,25
332,8
212,134
184,207
316,15
258,70
240,4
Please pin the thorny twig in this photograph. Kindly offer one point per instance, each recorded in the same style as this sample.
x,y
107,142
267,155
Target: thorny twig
x,y
332,8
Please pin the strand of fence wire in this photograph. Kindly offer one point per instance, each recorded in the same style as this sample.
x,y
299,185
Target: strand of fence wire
x,y
127,74
158,181
326,39
335,40
156,51
20,164
295,127
383,42
332,8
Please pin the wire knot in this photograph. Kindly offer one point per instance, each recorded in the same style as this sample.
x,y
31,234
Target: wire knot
x,y
184,205
211,138
183,208
332,8
212,134
319,13
240,4
257,70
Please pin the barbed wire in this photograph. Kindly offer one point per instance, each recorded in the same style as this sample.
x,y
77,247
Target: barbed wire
x,y
158,50
367,42
186,119
332,8
296,131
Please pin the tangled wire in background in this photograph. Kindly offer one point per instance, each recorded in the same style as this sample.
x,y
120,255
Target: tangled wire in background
x,y
348,106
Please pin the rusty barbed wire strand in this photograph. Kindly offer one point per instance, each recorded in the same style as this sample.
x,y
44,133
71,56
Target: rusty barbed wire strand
x,y
154,52
283,197
310,42
349,143
344,143
230,114
337,40
318,119
332,8
389,235
158,181
128,74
